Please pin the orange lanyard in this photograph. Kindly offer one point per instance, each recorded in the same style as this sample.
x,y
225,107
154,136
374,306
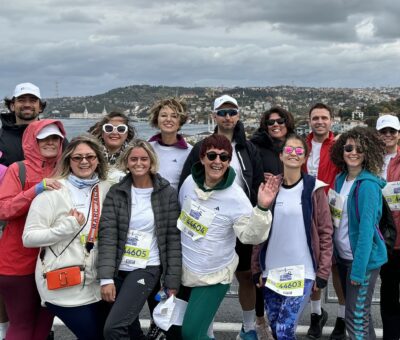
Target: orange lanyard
x,y
95,205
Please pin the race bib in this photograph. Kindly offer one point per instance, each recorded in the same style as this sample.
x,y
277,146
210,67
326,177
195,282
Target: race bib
x,y
137,249
336,202
195,219
392,194
286,281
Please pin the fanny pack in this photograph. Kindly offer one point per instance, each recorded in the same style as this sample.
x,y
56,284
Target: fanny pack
x,y
63,277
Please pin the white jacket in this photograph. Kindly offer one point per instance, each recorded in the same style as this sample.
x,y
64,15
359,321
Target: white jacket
x,y
49,225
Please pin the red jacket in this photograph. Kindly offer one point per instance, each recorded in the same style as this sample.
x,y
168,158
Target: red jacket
x,y
327,171
393,175
15,201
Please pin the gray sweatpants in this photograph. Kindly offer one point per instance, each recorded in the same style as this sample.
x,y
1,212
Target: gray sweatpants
x,y
359,323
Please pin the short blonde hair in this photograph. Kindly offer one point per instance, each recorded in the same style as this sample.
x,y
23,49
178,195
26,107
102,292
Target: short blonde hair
x,y
176,104
122,162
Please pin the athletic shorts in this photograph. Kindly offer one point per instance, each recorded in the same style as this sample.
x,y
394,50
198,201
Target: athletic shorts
x,y
244,252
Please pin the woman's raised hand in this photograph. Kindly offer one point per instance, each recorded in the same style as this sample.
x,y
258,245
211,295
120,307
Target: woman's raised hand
x,y
267,191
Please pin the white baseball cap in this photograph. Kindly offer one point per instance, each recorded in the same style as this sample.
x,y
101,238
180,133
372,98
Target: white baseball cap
x,y
49,130
224,99
388,121
26,88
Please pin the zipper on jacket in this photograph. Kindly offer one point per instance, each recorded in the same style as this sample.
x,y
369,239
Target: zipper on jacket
x,y
241,173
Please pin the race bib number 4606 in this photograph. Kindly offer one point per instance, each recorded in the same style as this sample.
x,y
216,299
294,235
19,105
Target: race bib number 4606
x,y
195,219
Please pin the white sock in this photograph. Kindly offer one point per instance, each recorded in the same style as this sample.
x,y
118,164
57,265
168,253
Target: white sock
x,y
3,329
210,331
249,316
316,307
341,311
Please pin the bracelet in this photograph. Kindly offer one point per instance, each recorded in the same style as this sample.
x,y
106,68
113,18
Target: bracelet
x,y
44,184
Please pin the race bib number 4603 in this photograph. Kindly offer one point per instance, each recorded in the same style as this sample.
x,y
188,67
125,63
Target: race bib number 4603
x,y
286,281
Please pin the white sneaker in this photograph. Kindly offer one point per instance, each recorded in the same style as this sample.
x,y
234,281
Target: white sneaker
x,y
263,331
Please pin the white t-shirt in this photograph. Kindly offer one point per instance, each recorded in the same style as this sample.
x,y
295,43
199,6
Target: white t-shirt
x,y
386,162
341,235
142,219
236,166
171,160
287,245
313,159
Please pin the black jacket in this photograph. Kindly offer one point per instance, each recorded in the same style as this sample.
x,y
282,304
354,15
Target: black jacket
x,y
11,140
269,150
114,226
249,160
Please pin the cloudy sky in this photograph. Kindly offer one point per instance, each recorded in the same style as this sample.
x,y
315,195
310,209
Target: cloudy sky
x,y
91,46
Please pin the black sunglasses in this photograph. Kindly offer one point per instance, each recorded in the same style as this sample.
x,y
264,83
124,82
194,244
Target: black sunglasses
x,y
271,122
224,112
350,148
390,130
223,156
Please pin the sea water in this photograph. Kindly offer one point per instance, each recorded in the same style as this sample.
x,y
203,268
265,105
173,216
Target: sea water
x,y
75,127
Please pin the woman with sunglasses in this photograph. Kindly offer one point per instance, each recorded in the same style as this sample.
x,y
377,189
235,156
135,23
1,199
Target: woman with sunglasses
x,y
139,244
114,132
42,144
388,127
169,115
275,124
296,258
215,210
359,246
64,223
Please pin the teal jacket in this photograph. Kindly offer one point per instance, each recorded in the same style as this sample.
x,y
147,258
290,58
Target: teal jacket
x,y
367,245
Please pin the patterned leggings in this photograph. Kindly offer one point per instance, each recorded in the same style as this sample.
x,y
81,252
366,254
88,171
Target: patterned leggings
x,y
284,311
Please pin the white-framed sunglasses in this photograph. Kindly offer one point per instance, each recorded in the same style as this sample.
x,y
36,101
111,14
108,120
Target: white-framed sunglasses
x,y
121,129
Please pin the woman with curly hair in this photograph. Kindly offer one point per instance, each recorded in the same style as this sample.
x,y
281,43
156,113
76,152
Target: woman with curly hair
x,y
357,205
114,133
169,115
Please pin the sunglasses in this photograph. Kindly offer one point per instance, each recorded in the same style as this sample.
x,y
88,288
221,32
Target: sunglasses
x,y
79,158
223,156
297,150
109,128
351,147
271,122
224,112
390,130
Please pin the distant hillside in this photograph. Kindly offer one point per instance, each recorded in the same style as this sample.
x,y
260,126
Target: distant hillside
x,y
138,98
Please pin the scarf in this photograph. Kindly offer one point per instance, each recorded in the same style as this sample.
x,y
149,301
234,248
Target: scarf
x,y
81,183
112,158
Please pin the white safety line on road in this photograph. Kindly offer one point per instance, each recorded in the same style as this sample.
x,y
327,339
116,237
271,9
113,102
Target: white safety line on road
x,y
235,327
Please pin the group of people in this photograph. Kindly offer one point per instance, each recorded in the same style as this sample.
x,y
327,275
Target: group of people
x,y
96,226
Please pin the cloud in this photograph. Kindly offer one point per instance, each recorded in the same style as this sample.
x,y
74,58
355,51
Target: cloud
x,y
90,46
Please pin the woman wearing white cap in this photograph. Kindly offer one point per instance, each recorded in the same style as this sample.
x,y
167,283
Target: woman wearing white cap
x,y
42,149
388,127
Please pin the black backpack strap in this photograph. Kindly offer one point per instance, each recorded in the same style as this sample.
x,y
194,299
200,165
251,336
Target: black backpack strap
x,y
22,173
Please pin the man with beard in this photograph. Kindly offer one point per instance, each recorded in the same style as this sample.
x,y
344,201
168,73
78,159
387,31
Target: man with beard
x,y
25,107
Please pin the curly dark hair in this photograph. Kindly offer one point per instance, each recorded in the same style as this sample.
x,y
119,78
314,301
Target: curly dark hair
x,y
289,120
96,129
178,105
8,102
368,139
